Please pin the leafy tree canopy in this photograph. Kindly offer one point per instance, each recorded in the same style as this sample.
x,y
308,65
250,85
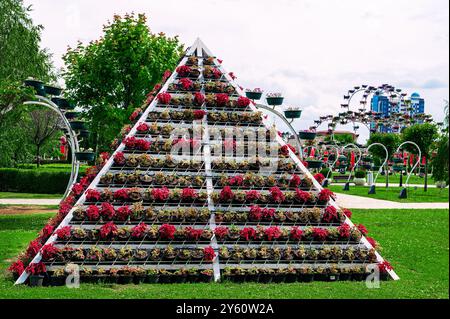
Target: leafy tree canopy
x,y
110,77
390,140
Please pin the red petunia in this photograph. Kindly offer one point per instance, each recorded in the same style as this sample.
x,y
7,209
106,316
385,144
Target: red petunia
x,y
320,234
221,232
221,99
319,177
64,233
243,101
142,127
199,98
92,212
255,213
209,253
247,233
107,211
226,194
272,233
122,213
139,231
167,231
295,181
252,195
277,195
296,233
330,214
164,98
109,230
199,114
93,195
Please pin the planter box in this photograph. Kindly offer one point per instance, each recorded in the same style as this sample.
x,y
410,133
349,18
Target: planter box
x,y
359,181
274,101
36,280
78,125
253,95
52,90
307,135
314,164
85,156
293,114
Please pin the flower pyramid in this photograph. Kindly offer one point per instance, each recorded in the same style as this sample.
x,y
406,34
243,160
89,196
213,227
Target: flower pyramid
x,y
184,197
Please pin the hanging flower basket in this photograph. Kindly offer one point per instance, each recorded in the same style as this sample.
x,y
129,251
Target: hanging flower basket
x,y
275,101
84,134
397,160
85,156
37,85
397,168
52,90
78,125
253,95
314,163
305,135
367,166
63,103
71,115
367,159
293,114
342,158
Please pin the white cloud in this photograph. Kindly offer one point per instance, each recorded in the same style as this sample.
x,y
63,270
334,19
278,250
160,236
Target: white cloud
x,y
312,51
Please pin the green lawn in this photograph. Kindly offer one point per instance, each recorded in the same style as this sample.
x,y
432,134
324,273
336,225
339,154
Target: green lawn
x,y
4,195
394,179
434,195
415,242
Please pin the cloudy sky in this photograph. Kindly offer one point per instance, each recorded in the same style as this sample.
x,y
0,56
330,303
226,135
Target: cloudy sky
x,y
312,51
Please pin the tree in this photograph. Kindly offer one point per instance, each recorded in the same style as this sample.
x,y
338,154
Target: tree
x,y
390,140
440,162
21,57
424,135
43,126
111,76
343,139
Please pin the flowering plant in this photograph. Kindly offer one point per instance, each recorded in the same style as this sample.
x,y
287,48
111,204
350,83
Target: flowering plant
x,y
272,233
139,231
277,195
119,158
209,253
384,266
121,194
226,194
252,195
186,83
49,252
295,181
63,233
92,195
189,194
142,127
255,90
221,99
319,177
275,94
193,233
302,196
320,234
221,232
243,101
92,212
164,97
36,268
199,114
330,214
347,212
248,233
325,195
123,213
296,233
362,229
17,267
109,230
107,211
160,194
255,213
199,98
167,231
344,231
183,70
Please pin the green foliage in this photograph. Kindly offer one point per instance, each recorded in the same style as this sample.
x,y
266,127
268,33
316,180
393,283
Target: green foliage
x,y
360,174
440,161
390,140
33,181
424,135
111,76
341,139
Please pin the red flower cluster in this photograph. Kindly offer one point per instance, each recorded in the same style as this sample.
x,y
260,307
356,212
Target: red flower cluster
x,y
252,195
160,194
221,232
362,229
49,251
320,234
247,233
199,98
277,194
189,194
325,195
344,230
226,194
36,268
330,214
108,230
236,180
167,231
137,143
319,177
142,127
186,83
193,233
347,212
284,150
17,267
296,233
93,195
257,213
77,189
295,181
199,114
243,101
63,233
221,99
121,194
107,211
372,241
123,213
139,231
183,70
272,233
93,213
164,98
135,114
209,253
119,158
384,266
302,196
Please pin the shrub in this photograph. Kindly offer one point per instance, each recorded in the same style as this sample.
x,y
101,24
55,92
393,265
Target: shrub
x,y
40,181
360,174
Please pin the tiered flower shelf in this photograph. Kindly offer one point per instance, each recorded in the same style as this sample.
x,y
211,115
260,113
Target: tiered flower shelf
x,y
153,214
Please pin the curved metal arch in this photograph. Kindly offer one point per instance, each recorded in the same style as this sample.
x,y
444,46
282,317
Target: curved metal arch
x,y
418,159
73,140
285,121
357,162
384,162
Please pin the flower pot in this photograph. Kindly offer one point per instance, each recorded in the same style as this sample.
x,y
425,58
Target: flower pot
x,y
37,85
397,160
84,134
359,181
291,278
293,114
57,280
238,278
314,164
344,277
36,280
357,277
307,135
306,278
441,184
78,125
321,277
279,278
274,101
165,279
85,156
335,277
71,115
265,278
206,278
252,278
63,103
52,90
139,279
397,168
151,279
193,278
253,95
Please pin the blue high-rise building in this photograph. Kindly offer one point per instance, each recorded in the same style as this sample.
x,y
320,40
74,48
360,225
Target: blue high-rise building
x,y
417,104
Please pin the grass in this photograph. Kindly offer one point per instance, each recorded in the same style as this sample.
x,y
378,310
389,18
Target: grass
x,y
416,242
6,195
394,179
433,195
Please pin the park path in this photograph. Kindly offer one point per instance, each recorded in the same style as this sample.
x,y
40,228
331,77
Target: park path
x,y
352,201
343,200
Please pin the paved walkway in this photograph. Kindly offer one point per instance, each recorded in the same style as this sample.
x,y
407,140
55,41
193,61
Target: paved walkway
x,y
352,201
344,200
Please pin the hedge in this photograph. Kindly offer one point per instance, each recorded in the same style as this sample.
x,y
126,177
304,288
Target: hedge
x,y
40,181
